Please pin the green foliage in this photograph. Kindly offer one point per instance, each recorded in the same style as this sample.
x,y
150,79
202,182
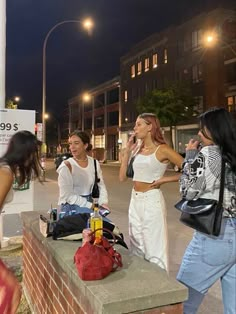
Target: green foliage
x,y
172,105
10,104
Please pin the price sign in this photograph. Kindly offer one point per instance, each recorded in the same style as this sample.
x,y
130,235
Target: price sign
x,y
13,120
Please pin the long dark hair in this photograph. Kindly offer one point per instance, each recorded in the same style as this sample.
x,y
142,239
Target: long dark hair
x,y
222,128
156,134
23,157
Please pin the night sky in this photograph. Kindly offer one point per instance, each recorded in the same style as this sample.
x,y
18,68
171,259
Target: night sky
x,y
76,61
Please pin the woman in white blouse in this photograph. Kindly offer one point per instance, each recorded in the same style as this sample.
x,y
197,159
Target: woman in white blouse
x,y
77,176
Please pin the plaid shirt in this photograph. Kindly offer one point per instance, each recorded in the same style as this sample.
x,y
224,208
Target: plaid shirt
x,y
201,178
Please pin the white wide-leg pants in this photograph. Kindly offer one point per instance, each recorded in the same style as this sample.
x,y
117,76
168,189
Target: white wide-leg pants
x,y
148,227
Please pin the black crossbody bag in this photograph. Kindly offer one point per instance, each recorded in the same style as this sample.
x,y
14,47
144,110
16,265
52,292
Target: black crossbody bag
x,y
204,215
95,191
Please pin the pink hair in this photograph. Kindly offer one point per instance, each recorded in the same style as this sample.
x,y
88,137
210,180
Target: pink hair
x,y
156,134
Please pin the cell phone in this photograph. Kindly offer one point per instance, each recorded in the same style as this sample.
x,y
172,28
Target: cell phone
x,y
104,211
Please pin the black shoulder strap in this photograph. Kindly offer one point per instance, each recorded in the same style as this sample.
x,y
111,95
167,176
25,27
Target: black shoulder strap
x,y
96,173
222,183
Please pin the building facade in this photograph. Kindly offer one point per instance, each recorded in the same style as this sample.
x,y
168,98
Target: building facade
x,y
201,50
97,113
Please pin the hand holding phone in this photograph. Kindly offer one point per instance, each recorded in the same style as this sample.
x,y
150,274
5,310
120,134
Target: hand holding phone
x,y
103,211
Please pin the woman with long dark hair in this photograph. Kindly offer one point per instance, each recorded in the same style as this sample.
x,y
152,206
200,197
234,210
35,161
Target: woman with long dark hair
x,y
20,162
147,210
209,258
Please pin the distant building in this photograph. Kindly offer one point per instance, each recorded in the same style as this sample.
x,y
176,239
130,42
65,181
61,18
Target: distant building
x,y
183,52
97,113
202,51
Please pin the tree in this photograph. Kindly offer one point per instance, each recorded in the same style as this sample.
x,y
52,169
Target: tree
x,y
10,104
172,105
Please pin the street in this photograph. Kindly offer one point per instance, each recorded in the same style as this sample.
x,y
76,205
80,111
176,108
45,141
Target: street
x,y
119,194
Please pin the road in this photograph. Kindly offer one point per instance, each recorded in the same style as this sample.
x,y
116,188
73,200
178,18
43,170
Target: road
x,y
119,195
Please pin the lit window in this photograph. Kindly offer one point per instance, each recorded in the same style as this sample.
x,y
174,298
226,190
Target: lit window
x,y
231,102
154,61
126,96
165,56
146,65
139,68
133,70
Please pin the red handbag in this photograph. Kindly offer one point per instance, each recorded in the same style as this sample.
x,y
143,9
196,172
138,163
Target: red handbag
x,y
96,261
10,291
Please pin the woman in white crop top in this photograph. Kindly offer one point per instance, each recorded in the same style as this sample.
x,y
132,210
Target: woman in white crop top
x,y
76,178
21,161
147,210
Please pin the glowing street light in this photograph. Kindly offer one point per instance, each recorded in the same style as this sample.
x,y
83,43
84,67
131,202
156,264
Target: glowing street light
x,y
211,39
87,24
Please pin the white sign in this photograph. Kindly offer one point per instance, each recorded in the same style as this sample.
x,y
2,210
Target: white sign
x,y
11,121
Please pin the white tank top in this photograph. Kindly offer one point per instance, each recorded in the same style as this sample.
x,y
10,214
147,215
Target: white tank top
x,y
147,168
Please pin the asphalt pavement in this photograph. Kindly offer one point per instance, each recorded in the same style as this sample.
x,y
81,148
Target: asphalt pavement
x,y
46,195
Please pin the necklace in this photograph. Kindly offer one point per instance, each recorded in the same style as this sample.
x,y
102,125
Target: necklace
x,y
81,159
148,147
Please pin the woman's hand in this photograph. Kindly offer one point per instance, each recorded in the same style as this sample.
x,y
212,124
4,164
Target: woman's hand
x,y
192,144
105,206
130,146
156,184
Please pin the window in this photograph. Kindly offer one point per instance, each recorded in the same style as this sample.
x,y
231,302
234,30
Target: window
x,y
199,104
99,121
133,70
154,61
139,67
113,96
126,96
197,73
196,38
230,72
146,65
165,56
113,118
231,103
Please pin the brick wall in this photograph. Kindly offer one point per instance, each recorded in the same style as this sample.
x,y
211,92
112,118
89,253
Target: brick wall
x,y
47,287
51,283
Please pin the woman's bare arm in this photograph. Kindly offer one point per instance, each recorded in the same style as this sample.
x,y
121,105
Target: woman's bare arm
x,y
6,180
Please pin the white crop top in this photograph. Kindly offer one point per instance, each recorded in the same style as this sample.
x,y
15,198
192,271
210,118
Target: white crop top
x,y
147,168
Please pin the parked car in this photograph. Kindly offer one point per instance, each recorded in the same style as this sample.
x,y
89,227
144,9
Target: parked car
x,y
60,157
176,168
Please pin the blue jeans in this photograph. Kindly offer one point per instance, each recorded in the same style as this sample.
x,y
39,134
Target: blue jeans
x,y
207,259
69,210
74,209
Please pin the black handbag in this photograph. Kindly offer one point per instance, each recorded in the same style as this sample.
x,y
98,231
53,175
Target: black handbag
x,y
204,215
95,191
130,170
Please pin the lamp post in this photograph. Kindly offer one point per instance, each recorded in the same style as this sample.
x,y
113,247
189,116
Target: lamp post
x,y
87,24
85,98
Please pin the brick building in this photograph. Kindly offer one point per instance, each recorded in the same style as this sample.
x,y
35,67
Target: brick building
x,y
201,50
98,115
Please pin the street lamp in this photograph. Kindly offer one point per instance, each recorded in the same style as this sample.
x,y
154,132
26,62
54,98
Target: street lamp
x,y
212,39
87,24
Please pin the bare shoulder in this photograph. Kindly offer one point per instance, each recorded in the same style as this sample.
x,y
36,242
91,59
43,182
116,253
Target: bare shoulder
x,y
5,171
167,153
6,176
